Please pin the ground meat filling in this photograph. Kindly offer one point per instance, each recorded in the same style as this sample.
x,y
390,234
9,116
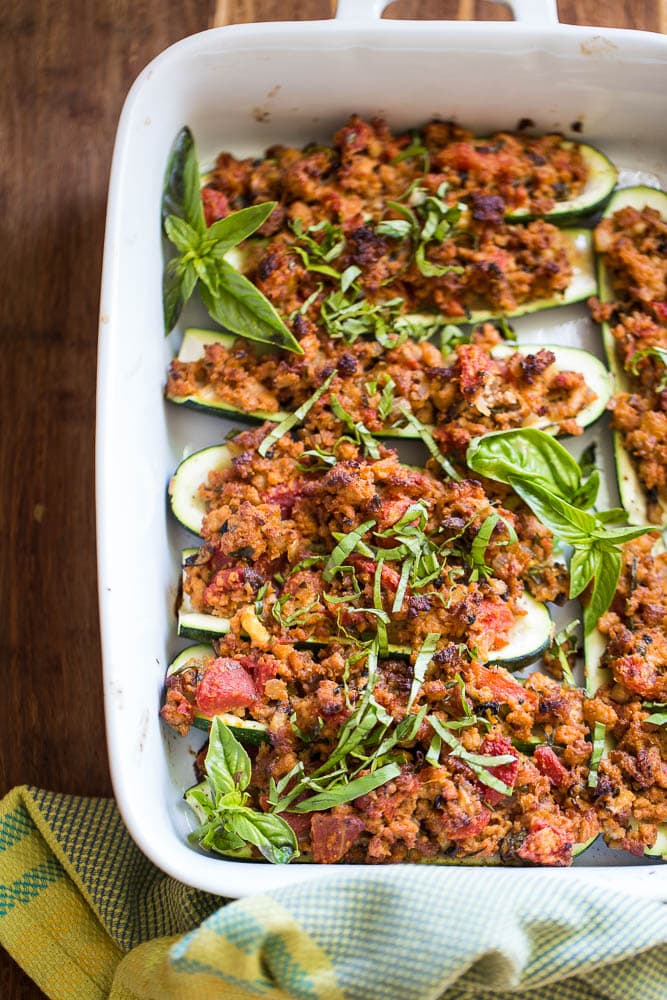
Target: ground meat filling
x,y
271,528
367,165
438,806
463,393
634,245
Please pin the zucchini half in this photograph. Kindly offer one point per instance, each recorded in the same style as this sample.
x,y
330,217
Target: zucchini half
x,y
183,489
247,730
581,287
595,676
529,637
572,359
630,488
602,177
567,358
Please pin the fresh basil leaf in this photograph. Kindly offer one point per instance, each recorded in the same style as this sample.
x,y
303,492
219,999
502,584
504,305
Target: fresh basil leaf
x,y
240,307
396,229
406,569
607,575
181,194
346,545
348,792
229,232
292,419
587,493
612,516
567,522
583,564
274,837
174,292
181,234
526,452
228,767
617,536
358,429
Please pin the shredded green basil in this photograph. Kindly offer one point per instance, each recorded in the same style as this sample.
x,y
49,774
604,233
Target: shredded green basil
x,y
292,419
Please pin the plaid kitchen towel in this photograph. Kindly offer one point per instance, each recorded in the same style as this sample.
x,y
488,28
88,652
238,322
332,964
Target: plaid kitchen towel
x,y
88,916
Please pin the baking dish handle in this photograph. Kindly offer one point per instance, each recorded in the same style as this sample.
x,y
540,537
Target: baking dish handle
x,y
535,12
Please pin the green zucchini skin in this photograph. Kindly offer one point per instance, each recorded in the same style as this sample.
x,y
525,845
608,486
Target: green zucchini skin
x,y
530,637
569,358
602,179
631,491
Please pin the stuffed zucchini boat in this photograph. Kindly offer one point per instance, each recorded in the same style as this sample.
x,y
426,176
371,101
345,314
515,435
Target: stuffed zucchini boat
x,y
564,389
634,333
528,638
626,688
358,750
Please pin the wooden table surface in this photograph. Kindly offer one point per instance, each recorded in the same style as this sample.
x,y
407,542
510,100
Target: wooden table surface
x,y
64,71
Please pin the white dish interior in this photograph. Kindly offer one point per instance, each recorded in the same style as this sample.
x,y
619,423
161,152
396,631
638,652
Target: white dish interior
x,y
242,89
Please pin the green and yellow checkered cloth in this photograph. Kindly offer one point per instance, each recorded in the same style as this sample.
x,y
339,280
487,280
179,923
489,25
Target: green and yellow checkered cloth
x,y
88,916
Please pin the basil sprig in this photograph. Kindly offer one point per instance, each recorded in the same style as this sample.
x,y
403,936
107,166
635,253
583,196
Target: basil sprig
x,y
227,824
551,483
232,301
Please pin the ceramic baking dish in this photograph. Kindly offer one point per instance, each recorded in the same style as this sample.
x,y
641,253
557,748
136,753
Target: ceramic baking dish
x,y
243,88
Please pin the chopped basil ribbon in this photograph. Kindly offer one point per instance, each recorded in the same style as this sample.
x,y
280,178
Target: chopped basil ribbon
x,y
292,419
346,793
427,438
232,301
227,824
359,430
650,352
424,657
599,733
478,763
345,547
558,651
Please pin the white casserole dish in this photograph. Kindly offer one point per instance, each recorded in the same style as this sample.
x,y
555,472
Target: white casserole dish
x,y
243,88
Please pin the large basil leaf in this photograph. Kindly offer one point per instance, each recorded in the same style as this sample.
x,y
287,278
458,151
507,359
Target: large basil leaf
x,y
583,565
529,453
567,522
181,195
229,232
607,574
240,307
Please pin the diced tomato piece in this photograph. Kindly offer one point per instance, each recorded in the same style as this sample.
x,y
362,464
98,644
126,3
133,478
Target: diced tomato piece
x,y
333,836
461,826
215,205
495,619
224,686
660,309
498,746
503,687
547,763
285,497
546,845
262,667
474,365
389,577
224,581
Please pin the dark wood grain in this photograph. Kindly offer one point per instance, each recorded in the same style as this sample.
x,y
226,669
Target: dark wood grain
x,y
64,71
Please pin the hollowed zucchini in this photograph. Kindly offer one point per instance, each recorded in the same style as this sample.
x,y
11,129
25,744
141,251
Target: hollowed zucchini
x,y
630,488
602,177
